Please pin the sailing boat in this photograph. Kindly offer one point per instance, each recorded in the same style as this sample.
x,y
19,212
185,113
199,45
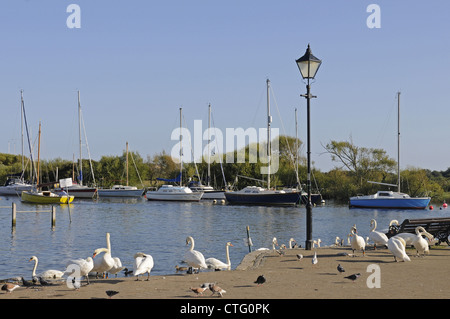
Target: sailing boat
x,y
197,187
171,192
78,189
390,199
122,190
254,195
44,197
15,183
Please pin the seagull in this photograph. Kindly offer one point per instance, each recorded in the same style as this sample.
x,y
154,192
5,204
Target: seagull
x,y
340,268
9,287
260,280
353,277
76,284
198,290
315,260
111,293
299,256
216,289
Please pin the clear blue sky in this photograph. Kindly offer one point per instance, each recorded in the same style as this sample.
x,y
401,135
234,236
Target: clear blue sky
x,y
136,62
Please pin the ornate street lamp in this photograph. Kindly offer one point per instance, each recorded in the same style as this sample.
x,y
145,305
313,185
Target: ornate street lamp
x,y
308,65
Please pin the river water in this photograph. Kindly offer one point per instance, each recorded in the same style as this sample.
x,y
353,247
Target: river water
x,y
160,229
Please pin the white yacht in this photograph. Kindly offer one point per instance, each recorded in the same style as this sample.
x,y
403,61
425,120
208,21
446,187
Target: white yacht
x,y
174,193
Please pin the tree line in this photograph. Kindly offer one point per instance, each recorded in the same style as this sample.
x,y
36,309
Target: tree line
x,y
355,166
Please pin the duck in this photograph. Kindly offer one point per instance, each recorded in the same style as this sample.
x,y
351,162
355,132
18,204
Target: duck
x,y
143,263
378,238
48,274
357,242
194,258
217,264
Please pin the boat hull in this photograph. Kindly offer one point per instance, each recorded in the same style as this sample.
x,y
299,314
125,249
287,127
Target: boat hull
x,y
194,197
391,203
14,189
80,192
211,195
272,199
120,192
45,198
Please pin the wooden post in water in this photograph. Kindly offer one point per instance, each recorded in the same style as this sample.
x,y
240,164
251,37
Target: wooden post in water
x,y
53,216
249,241
14,210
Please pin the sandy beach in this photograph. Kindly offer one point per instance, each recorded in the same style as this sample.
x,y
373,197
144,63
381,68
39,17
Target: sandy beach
x,y
286,278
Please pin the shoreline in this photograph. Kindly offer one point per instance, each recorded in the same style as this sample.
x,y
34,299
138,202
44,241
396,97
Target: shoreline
x,y
287,278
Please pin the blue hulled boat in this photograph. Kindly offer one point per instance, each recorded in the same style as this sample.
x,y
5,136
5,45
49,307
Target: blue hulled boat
x,y
389,200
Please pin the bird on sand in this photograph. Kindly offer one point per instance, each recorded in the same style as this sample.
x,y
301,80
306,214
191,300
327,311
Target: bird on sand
x,y
27,283
353,277
111,293
76,283
216,290
198,290
340,268
127,272
9,287
299,256
260,280
315,260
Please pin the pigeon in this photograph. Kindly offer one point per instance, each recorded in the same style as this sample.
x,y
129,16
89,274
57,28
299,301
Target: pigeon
x,y
260,280
44,282
299,256
27,283
340,268
9,287
315,260
111,293
353,277
198,290
216,289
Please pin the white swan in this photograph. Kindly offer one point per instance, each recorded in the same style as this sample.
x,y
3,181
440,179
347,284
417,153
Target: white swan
x,y
217,264
397,247
117,267
420,243
83,267
194,258
103,263
48,274
143,263
274,243
357,242
378,238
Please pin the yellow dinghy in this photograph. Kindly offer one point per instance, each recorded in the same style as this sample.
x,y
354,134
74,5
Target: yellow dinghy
x,y
45,197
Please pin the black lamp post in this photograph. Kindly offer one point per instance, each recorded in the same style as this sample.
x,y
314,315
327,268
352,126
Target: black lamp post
x,y
308,65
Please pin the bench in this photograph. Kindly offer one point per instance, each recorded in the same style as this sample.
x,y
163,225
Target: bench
x,y
439,227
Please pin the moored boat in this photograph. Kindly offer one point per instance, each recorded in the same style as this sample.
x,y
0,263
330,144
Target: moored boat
x,y
15,186
174,193
121,191
389,200
45,197
254,195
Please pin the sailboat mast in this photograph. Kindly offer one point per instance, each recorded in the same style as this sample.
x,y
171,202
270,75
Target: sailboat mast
x,y
127,163
398,141
181,150
296,149
21,128
39,154
209,141
269,120
79,136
